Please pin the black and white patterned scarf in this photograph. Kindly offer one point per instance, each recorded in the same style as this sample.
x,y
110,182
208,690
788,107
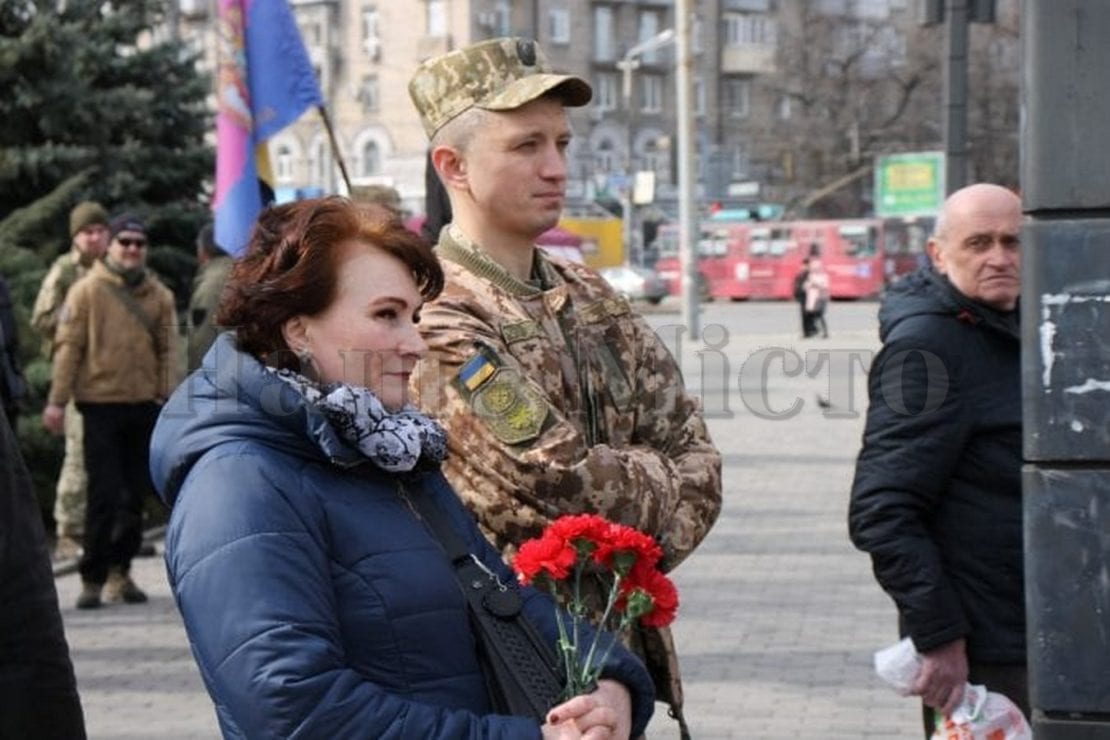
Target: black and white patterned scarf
x,y
396,442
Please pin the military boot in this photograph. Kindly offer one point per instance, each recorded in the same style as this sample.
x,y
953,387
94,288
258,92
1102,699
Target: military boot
x,y
120,587
90,595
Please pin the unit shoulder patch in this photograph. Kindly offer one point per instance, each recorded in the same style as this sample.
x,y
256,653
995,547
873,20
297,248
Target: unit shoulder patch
x,y
512,408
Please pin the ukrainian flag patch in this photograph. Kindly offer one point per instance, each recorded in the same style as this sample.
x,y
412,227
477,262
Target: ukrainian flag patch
x,y
475,371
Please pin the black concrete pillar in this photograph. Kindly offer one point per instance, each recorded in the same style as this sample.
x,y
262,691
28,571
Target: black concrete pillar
x,y
1066,364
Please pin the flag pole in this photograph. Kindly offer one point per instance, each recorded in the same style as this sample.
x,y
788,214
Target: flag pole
x,y
335,147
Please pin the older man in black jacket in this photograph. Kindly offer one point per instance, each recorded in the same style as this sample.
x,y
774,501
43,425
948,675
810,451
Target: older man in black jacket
x,y
936,500
38,693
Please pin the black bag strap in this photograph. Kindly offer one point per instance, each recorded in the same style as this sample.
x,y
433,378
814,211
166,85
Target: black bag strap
x,y
522,671
136,310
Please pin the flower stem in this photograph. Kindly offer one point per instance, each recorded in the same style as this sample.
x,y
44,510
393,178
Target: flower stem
x,y
589,671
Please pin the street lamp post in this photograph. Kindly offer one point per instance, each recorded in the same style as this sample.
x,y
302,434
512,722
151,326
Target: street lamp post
x,y
627,64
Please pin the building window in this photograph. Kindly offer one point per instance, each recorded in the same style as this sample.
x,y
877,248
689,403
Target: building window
x,y
371,39
605,157
321,164
783,109
283,161
738,157
371,159
649,29
436,21
699,96
312,34
738,97
744,28
603,34
656,159
606,91
504,16
368,94
878,9
558,25
652,88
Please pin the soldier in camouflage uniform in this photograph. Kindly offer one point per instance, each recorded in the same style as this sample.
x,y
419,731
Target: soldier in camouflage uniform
x,y
557,397
213,267
88,229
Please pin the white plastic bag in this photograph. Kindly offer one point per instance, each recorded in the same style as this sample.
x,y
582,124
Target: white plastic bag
x,y
899,665
983,715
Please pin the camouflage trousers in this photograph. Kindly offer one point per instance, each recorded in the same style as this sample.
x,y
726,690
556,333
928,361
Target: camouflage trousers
x,y
69,501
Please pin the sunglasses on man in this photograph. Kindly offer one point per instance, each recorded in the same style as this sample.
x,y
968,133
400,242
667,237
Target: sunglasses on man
x,y
125,242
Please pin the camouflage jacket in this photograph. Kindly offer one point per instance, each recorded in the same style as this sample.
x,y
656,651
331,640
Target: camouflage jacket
x,y
208,287
559,399
66,270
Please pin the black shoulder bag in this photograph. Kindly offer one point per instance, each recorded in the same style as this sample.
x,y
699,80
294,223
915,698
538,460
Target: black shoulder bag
x,y
521,669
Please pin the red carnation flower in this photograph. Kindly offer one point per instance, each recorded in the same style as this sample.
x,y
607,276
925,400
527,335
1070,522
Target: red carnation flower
x,y
551,556
621,556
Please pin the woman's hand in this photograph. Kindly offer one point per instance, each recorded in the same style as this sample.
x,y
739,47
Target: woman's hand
x,y
604,714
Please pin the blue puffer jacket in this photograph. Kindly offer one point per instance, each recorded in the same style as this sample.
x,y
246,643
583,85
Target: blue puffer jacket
x,y
316,603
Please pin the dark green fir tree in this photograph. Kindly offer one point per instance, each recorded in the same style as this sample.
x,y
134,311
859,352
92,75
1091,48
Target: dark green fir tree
x,y
99,102
100,87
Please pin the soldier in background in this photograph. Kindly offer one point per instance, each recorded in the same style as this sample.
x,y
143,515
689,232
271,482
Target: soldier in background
x,y
557,398
88,229
115,343
213,267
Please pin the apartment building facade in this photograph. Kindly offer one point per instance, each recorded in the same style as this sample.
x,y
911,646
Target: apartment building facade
x,y
762,131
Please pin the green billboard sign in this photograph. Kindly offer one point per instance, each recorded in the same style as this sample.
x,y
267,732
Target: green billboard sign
x,y
909,184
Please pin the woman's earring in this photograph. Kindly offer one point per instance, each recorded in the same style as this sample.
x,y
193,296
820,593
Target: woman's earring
x,y
304,357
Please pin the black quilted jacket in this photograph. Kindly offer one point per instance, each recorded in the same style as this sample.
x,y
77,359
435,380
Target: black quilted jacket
x,y
936,500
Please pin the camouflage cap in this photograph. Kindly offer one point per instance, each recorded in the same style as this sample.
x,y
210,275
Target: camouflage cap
x,y
499,74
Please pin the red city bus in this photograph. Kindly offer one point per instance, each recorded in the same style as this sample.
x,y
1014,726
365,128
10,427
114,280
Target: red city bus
x,y
724,251
850,249
722,260
904,240
775,258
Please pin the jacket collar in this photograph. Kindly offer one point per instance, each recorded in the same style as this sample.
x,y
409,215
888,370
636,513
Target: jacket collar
x,y
457,247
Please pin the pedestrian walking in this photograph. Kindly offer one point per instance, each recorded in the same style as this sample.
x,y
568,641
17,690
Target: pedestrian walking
x,y
816,287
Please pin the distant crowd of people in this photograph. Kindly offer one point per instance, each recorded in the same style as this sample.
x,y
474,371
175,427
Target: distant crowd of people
x,y
296,456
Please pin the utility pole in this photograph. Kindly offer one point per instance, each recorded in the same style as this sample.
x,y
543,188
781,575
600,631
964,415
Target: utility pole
x,y
629,63
955,95
957,15
687,244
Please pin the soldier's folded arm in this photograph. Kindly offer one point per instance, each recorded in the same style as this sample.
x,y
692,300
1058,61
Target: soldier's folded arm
x,y
668,484
670,420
